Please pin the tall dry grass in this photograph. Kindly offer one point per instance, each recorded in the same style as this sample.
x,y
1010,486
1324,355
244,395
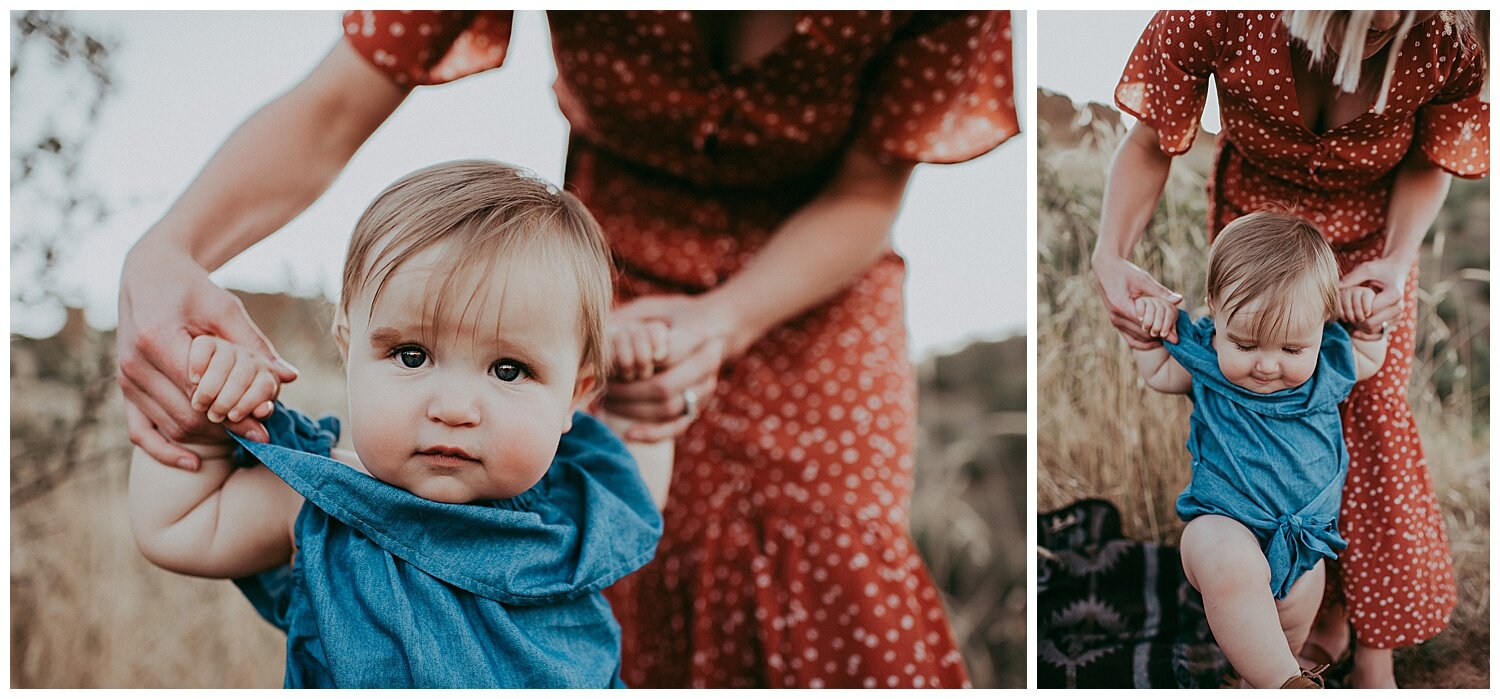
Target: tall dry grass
x,y
1103,433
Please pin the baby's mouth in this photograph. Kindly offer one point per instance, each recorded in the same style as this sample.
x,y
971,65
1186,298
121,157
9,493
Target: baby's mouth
x,y
448,456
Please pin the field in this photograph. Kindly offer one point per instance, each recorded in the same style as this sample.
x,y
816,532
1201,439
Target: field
x,y
1102,433
88,611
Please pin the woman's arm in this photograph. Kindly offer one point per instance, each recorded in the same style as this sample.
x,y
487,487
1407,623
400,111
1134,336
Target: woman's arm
x,y
816,253
1136,179
270,169
1416,198
216,522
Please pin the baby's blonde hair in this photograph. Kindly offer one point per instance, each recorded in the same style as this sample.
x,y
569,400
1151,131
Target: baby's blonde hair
x,y
492,212
1272,258
1311,28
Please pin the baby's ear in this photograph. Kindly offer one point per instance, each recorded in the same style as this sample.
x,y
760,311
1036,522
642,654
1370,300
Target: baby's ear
x,y
585,390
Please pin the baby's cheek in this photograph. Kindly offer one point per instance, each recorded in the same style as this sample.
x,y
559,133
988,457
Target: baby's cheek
x,y
528,455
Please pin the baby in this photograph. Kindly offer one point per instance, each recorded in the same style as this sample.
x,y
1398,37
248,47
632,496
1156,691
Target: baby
x,y
1266,370
465,540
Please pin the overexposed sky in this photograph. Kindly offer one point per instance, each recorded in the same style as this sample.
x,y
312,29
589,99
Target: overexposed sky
x,y
187,79
1082,53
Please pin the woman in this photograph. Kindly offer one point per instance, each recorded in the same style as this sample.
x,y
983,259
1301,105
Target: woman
x,y
1356,119
747,167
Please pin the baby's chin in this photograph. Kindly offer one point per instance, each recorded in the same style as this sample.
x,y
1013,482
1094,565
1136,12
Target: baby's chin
x,y
455,490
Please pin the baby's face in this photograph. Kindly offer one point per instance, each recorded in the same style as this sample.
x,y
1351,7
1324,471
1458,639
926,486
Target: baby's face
x,y
470,407
1263,366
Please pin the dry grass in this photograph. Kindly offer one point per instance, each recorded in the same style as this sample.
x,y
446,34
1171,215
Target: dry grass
x,y
1102,433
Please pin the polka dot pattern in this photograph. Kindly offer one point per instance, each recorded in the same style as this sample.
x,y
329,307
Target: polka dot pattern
x,y
786,560
1267,156
1397,574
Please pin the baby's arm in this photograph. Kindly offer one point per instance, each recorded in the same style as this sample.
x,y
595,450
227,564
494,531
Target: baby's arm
x,y
1354,305
219,521
1157,367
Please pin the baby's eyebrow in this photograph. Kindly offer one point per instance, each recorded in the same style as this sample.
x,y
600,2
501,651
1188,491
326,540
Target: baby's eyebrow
x,y
385,335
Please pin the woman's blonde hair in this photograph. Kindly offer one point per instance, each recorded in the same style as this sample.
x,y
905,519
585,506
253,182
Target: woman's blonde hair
x,y
492,212
1311,28
1274,258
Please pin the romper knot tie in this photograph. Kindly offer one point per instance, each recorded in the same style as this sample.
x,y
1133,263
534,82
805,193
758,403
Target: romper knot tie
x,y
1297,545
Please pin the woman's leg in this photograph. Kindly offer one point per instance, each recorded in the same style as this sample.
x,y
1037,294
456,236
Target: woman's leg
x,y
1396,575
1224,561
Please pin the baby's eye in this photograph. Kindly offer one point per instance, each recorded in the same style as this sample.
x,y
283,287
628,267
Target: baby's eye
x,y
1244,348
508,371
1294,351
410,356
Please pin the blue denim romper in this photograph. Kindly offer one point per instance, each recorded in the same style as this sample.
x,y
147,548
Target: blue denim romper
x,y
391,590
1273,462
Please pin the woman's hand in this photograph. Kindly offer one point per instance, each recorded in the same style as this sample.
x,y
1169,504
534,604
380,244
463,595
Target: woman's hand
x,y
1387,276
165,300
699,340
1120,284
1136,178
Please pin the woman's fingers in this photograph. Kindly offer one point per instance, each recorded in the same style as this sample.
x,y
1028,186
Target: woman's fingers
x,y
143,434
661,398
659,431
1385,307
233,324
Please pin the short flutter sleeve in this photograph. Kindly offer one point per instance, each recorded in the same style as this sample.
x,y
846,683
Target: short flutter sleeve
x,y
944,93
1453,129
429,47
1165,83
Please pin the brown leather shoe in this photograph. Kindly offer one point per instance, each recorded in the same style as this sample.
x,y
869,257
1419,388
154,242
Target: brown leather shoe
x,y
1307,679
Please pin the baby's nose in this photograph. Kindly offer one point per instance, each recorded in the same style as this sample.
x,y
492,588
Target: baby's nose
x,y
454,409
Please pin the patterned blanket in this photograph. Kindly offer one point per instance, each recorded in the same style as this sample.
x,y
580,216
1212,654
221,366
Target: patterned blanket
x,y
1115,612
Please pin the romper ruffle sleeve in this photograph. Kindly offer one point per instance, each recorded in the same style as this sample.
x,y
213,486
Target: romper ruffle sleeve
x,y
945,91
1453,129
429,47
391,590
1165,82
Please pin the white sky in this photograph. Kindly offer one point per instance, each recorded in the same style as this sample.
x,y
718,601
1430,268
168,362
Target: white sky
x,y
1081,54
187,79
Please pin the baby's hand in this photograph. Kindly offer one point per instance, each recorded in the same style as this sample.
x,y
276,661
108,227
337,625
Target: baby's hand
x,y
230,381
637,348
1355,303
1157,316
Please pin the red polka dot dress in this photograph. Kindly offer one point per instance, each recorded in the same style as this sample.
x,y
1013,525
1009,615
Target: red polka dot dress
x,y
786,559
1397,574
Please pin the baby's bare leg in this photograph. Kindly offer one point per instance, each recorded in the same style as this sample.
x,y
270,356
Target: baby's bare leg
x,y
1223,560
1301,606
